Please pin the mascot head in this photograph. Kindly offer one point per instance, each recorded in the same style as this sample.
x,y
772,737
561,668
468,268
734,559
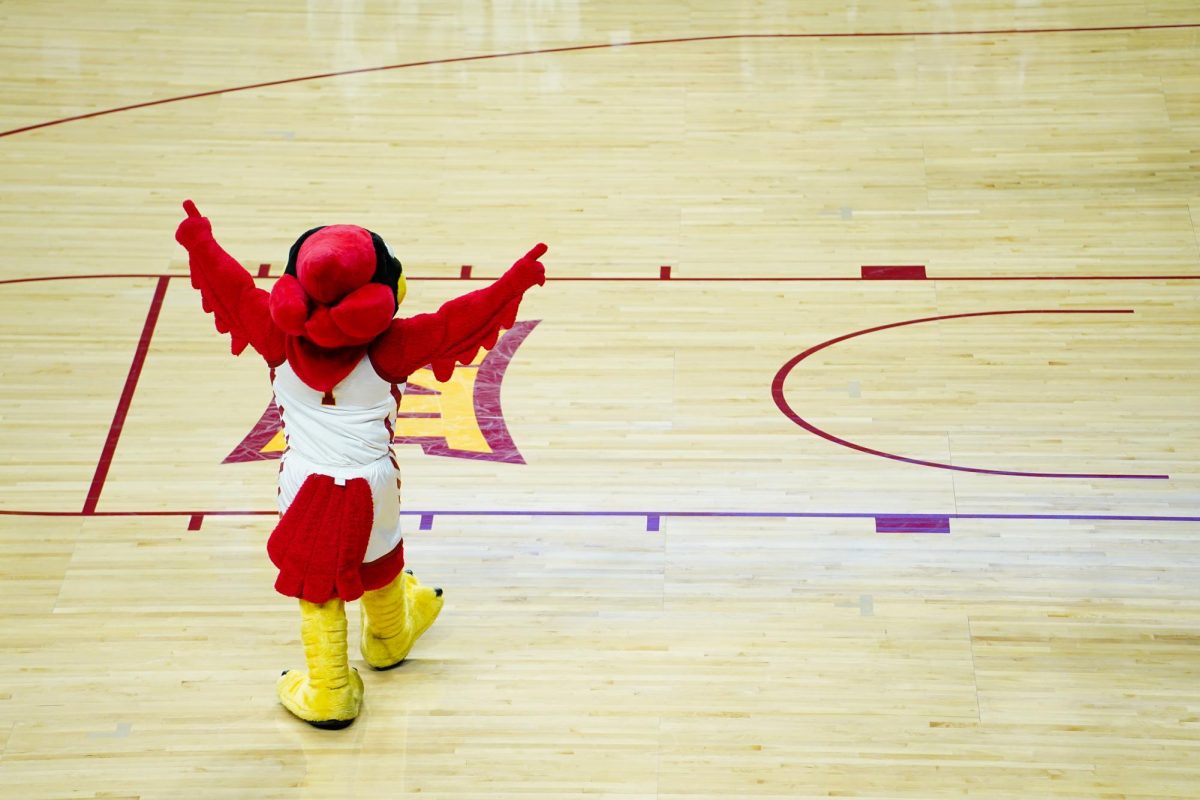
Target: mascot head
x,y
342,287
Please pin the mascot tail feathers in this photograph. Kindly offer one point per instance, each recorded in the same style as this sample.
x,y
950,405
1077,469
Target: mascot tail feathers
x,y
320,542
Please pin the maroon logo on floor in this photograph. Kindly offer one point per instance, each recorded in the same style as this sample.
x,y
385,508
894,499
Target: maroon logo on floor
x,y
461,418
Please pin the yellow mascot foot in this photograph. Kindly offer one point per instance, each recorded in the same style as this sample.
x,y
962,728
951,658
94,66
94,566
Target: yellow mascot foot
x,y
321,708
329,694
394,617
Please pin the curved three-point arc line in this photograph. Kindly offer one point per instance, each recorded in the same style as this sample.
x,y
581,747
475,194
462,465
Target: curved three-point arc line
x,y
781,400
604,46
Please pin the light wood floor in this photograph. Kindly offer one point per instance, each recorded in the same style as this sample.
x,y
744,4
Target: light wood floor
x,y
953,552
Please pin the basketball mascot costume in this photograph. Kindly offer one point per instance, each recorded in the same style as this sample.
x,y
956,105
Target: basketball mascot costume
x,y
339,361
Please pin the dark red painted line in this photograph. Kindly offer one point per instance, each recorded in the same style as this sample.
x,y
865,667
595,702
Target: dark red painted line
x,y
264,271
664,273
781,401
1066,278
602,46
135,371
914,272
912,524
676,279
195,522
90,277
858,279
189,514
788,279
465,273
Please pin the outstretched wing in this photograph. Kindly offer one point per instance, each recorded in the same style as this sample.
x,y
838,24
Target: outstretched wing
x,y
227,291
456,332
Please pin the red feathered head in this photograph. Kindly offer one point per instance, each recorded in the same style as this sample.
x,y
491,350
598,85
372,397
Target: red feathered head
x,y
340,288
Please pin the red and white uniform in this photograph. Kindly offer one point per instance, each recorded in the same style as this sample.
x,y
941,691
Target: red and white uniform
x,y
328,330
346,434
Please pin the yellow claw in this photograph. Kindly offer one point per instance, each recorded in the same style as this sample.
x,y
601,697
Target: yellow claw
x,y
394,617
329,694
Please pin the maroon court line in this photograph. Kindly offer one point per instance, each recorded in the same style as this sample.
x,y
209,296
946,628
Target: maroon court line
x,y
1064,278
778,395
91,277
893,272
160,290
118,423
672,279
601,46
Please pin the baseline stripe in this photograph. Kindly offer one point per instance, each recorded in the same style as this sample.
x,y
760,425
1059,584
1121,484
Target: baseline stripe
x,y
647,515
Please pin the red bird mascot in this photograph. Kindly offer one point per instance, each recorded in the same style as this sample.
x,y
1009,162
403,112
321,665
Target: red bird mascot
x,y
339,361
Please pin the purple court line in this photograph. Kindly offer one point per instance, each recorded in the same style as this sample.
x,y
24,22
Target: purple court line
x,y
807,515
908,523
778,395
131,380
601,46
646,515
677,279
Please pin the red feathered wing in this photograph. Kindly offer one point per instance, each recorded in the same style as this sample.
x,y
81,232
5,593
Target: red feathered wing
x,y
455,333
227,291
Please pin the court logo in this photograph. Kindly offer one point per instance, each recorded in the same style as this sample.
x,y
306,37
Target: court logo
x,y
461,418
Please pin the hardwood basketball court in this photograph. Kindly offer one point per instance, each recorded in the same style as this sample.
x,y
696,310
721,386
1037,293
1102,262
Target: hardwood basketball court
x,y
849,450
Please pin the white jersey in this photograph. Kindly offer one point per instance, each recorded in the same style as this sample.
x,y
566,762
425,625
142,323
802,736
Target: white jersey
x,y
345,434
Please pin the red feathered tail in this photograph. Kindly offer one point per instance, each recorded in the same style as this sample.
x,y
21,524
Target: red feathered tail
x,y
320,542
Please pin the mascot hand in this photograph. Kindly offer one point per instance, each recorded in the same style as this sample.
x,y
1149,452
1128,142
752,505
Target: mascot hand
x,y
194,228
528,270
